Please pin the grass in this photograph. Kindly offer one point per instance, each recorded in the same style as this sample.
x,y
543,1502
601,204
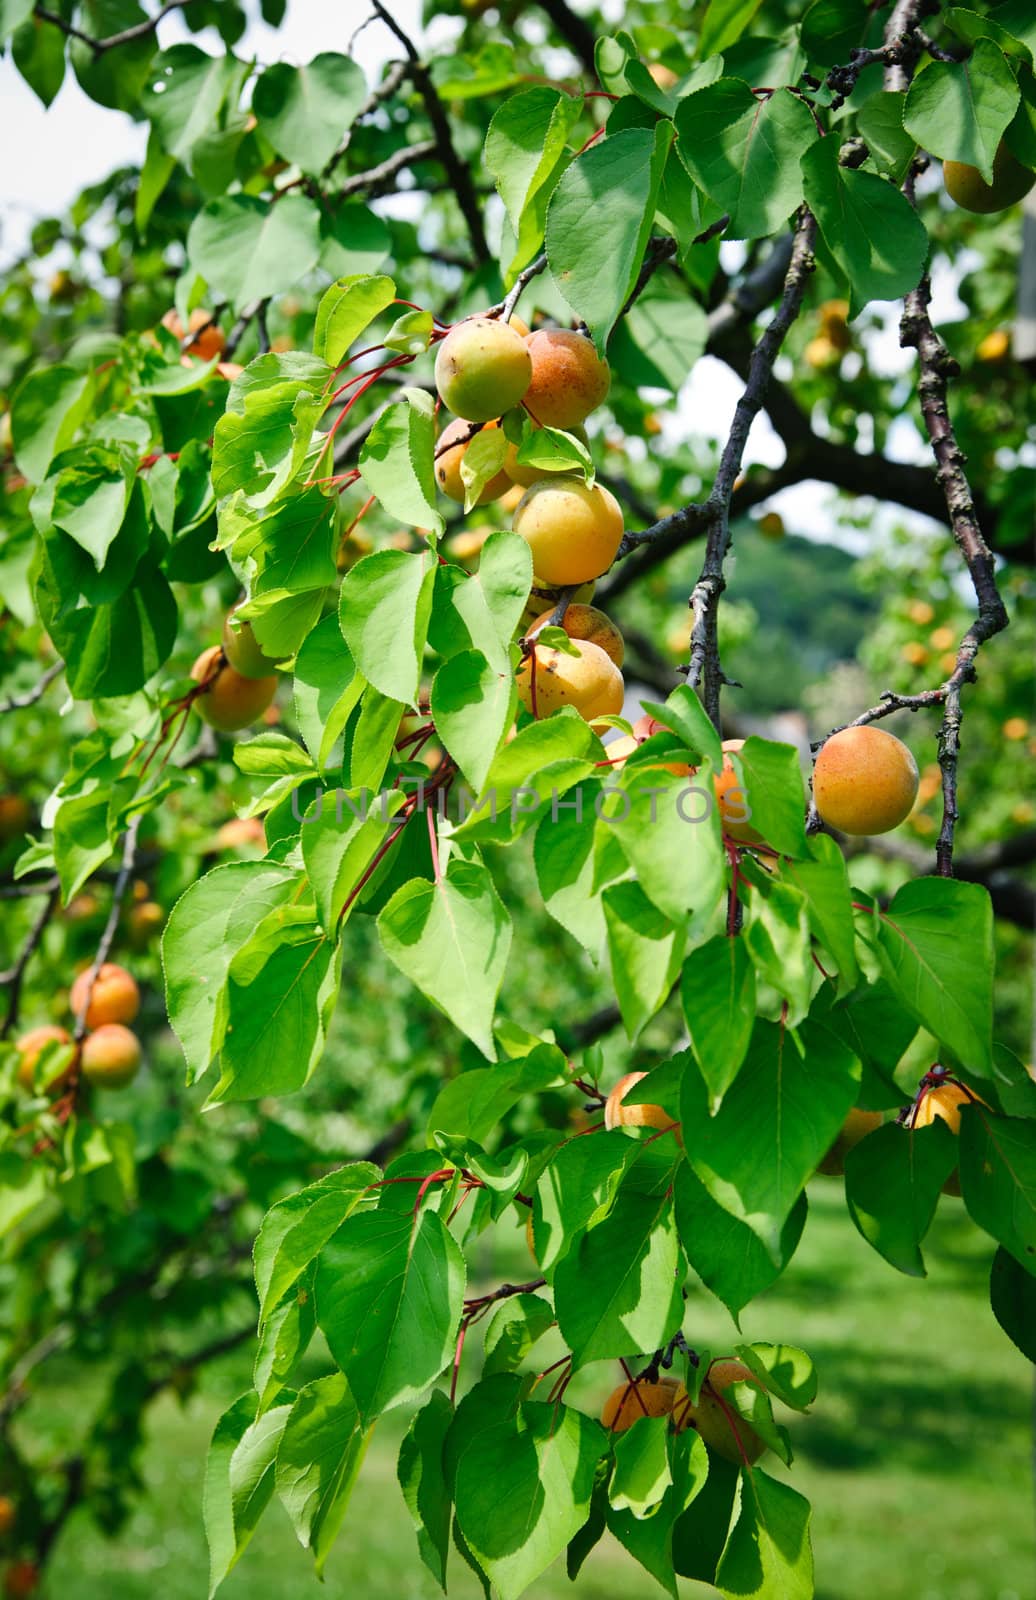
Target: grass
x,y
916,1456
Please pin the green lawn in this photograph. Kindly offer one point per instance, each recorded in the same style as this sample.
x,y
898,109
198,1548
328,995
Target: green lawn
x,y
917,1455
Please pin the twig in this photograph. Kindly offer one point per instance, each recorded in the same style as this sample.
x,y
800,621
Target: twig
x,y
575,31
12,980
504,309
140,30
393,79
456,170
659,251
18,702
375,178
704,667
107,939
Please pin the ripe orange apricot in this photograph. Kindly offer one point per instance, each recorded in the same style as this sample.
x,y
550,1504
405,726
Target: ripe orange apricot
x,y
589,680
211,338
30,1047
731,798
587,622
243,650
715,1418
631,1401
865,781
573,531
541,599
240,832
857,1125
113,998
144,919
482,369
229,700
617,1115
821,353
14,817
448,457
662,75
21,1580
995,347
111,1056
524,475
569,379
968,189
945,1101
8,1513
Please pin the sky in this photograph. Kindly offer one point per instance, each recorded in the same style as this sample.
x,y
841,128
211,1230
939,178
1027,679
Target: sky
x,y
76,142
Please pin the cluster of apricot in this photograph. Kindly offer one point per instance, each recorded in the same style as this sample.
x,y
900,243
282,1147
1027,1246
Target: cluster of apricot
x,y
723,1429
238,682
109,1055
484,368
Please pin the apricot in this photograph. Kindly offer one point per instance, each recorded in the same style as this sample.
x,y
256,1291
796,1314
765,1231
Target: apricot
x,y
229,700
448,457
968,189
243,650
520,473
144,920
8,1513
30,1047
662,75
482,369
111,1056
21,1580
865,781
821,353
617,1115
240,832
589,680
541,599
731,798
113,998
586,622
945,1100
857,1125
715,1419
995,347
834,323
771,525
211,338
14,817
631,1401
569,379
573,531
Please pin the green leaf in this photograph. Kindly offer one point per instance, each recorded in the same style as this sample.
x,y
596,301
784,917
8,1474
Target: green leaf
x,y
998,1179
563,852
768,1554
389,1293
47,409
111,649
893,1179
239,1481
776,933
320,1455
113,78
824,880
658,342
668,827
473,706
158,168
305,111
776,1122
936,944
725,22
724,1252
523,1491
831,30
452,939
83,839
355,240
384,608
870,228
472,1103
773,785
12,14
397,461
641,1473
553,450
327,689
515,1326
339,844
296,1229
1013,28
420,1474
283,1339
184,94
411,334
1012,1294
595,250
536,768
38,51
701,1532
480,463
880,121
784,1370
247,249
345,310
210,922
618,1291
744,152
718,994
577,1191
480,611
959,110
649,1536
526,150
262,440
277,1018
645,951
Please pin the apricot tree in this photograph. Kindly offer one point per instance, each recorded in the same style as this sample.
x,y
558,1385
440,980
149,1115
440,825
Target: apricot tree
x,y
254,474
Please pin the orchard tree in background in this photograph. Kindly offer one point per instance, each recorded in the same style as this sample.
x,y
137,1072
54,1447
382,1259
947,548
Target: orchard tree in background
x,y
278,458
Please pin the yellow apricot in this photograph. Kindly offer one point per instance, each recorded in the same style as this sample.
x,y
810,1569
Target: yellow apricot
x,y
572,530
631,1401
617,1115
229,700
589,680
569,379
114,996
144,920
968,189
731,798
524,475
1015,728
30,1047
945,1100
914,654
211,338
771,525
111,1056
834,323
662,75
450,452
715,1419
865,781
995,347
483,368
921,612
243,650
820,353
942,638
857,1125
541,599
586,622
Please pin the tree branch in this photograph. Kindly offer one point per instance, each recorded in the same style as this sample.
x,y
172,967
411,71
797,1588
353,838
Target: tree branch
x,y
140,30
577,33
18,702
12,980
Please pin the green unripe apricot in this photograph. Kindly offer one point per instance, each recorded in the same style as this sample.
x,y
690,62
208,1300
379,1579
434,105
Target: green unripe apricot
x,y
242,648
968,189
483,368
